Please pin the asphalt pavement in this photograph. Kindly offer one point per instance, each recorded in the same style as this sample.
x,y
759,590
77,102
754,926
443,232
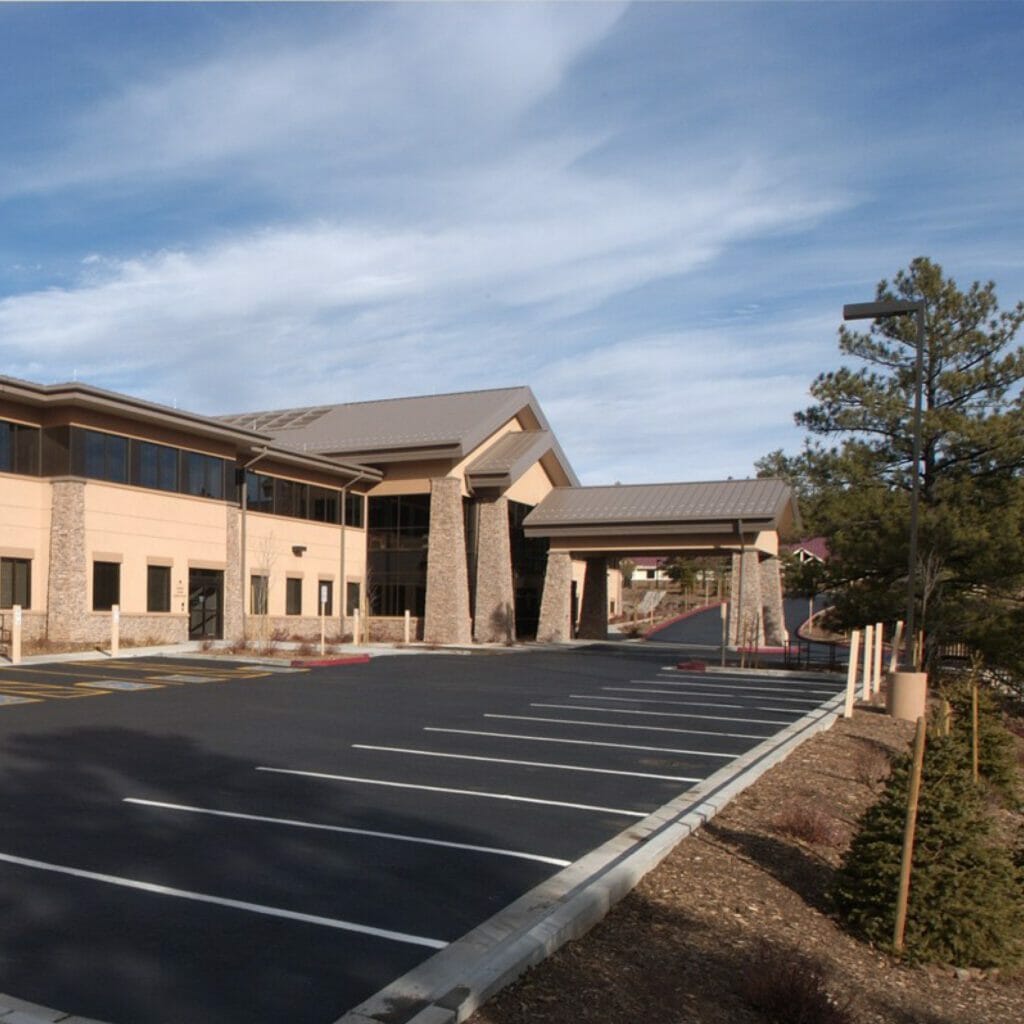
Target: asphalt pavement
x,y
217,841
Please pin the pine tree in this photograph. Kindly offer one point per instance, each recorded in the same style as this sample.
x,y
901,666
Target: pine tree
x,y
970,572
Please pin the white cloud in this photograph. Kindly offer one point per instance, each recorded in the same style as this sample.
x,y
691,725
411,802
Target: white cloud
x,y
444,77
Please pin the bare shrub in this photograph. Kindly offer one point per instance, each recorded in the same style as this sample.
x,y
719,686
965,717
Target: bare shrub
x,y
871,765
810,825
789,987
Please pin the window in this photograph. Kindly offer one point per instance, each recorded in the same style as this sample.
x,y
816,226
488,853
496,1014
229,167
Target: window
x,y
19,448
353,595
325,596
15,582
158,588
293,597
291,498
259,492
106,585
323,504
259,590
155,466
99,456
355,505
399,529
203,475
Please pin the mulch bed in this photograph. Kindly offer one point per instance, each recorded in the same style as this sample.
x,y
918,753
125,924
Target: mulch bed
x,y
684,945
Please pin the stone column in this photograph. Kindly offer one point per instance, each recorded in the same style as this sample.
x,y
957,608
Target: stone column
x,y
234,586
594,610
771,601
494,618
556,602
747,605
67,588
447,611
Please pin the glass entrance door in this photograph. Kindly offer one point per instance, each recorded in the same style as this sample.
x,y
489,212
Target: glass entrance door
x,y
205,604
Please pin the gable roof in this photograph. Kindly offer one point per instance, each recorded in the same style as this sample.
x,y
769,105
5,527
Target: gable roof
x,y
759,503
396,429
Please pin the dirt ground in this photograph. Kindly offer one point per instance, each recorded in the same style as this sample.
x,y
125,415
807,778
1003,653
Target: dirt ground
x,y
685,944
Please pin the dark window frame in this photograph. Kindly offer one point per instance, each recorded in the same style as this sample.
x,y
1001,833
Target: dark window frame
x,y
259,594
106,585
15,582
158,588
293,595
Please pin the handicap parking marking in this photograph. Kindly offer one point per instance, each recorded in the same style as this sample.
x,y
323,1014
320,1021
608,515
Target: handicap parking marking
x,y
117,684
184,677
44,691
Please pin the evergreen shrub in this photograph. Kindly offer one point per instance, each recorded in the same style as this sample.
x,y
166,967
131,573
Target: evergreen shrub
x,y
966,904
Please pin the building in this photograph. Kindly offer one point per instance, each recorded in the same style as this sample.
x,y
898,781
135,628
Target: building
x,y
254,525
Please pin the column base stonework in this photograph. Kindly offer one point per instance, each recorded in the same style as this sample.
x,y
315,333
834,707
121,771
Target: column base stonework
x,y
594,610
234,587
771,601
556,602
494,618
447,612
746,618
67,585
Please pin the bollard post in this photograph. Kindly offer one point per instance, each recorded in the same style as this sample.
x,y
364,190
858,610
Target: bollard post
x,y
323,626
851,673
897,646
408,625
355,625
869,656
115,629
908,837
725,618
16,634
876,680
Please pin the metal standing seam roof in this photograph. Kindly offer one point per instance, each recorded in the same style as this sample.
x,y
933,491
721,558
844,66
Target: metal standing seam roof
x,y
451,420
761,499
511,455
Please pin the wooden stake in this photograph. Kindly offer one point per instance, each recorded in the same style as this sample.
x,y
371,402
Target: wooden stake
x,y
908,837
974,727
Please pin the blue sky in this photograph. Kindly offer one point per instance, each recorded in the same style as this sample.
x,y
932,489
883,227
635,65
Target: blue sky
x,y
652,214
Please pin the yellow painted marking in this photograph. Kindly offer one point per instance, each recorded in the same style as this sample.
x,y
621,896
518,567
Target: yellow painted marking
x,y
42,690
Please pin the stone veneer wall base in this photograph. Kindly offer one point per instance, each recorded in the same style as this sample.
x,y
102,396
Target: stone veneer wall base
x,y
447,612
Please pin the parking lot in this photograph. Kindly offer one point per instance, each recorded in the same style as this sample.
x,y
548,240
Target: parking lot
x,y
218,841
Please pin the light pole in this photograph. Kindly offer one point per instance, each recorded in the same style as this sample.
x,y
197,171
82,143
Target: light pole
x,y
883,311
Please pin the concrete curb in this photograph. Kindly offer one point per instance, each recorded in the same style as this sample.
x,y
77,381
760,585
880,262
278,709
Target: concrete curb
x,y
453,983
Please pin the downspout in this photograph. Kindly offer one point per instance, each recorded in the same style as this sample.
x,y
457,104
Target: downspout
x,y
342,585
739,609
245,506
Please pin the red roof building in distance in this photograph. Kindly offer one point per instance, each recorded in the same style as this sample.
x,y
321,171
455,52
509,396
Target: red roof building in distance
x,y
810,549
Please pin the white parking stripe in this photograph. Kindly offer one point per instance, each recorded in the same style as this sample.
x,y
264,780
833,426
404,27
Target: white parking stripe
x,y
349,831
660,714
528,764
680,703
220,901
808,702
784,687
582,743
621,725
457,792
